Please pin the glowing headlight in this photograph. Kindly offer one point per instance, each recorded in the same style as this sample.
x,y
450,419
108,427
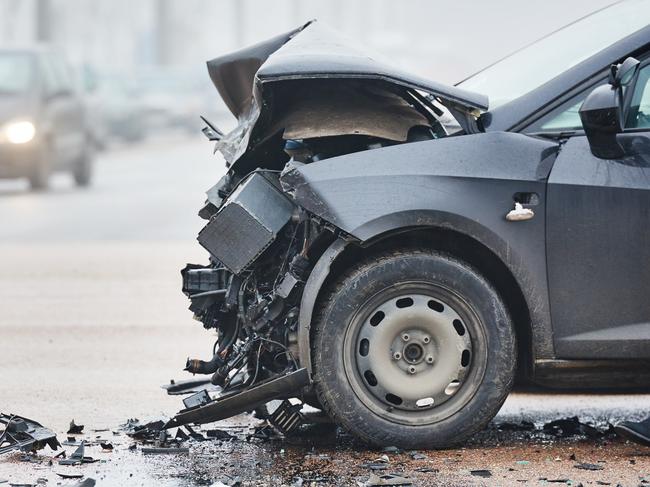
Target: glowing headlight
x,y
19,132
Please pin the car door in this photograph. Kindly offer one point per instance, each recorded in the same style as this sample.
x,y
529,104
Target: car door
x,y
598,242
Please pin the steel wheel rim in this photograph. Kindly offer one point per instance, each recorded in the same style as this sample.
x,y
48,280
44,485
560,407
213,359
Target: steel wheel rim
x,y
415,353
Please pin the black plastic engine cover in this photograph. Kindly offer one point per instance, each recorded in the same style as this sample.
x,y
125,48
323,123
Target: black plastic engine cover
x,y
247,223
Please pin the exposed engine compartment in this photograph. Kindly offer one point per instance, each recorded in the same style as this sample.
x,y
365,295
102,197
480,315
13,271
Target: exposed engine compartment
x,y
250,292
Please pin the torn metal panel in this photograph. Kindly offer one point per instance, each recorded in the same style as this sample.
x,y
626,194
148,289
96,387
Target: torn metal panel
x,y
246,400
25,434
318,51
234,74
250,81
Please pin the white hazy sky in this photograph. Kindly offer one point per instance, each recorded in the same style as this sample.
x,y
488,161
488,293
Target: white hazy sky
x,y
446,40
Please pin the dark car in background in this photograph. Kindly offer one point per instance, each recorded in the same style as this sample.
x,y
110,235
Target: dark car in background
x,y
400,272
42,118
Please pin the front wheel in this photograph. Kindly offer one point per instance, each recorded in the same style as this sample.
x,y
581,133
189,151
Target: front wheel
x,y
413,348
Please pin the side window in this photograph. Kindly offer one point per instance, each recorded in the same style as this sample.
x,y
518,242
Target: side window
x,y
638,115
566,117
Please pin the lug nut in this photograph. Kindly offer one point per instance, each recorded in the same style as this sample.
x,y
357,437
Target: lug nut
x,y
411,370
426,339
406,337
397,355
429,359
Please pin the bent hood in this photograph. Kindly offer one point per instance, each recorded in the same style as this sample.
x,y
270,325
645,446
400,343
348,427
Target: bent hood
x,y
245,78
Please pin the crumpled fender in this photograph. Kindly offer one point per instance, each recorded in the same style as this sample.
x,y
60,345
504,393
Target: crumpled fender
x,y
466,183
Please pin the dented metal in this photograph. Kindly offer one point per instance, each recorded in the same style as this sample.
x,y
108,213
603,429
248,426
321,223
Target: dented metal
x,y
314,71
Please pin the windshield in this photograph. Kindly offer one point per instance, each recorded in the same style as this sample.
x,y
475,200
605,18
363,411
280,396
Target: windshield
x,y
547,58
16,73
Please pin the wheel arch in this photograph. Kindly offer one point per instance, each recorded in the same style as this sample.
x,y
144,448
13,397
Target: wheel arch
x,y
444,238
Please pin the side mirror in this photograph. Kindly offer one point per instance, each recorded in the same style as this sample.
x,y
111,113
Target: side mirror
x,y
603,111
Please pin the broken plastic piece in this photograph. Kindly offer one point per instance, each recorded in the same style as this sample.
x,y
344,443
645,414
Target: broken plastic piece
x,y
75,429
286,417
77,458
244,401
588,466
481,473
196,400
25,434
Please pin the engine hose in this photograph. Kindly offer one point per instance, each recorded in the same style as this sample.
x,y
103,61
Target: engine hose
x,y
196,366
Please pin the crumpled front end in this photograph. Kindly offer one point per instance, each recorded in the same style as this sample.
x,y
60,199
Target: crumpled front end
x,y
300,98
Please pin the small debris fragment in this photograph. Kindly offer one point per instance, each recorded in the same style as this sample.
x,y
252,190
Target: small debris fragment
x,y
217,434
523,426
588,466
149,431
418,456
194,434
75,429
106,446
374,466
78,457
564,428
165,451
388,479
70,475
481,473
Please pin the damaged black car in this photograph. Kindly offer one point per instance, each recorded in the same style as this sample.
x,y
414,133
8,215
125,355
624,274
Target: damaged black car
x,y
396,251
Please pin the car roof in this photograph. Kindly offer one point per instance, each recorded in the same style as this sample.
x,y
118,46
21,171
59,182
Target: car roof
x,y
510,115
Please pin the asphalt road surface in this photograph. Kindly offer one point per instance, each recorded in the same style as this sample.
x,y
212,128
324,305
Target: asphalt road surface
x,y
92,322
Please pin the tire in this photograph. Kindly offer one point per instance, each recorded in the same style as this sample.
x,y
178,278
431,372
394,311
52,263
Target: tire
x,y
83,169
413,350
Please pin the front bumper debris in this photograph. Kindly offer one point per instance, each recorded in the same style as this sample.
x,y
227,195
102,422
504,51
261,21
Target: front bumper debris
x,y
24,434
239,402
